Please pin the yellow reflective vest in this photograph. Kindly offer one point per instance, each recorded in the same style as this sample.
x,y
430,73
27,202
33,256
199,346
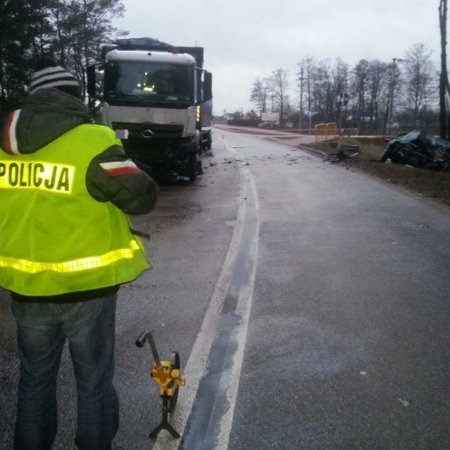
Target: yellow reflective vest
x,y
54,237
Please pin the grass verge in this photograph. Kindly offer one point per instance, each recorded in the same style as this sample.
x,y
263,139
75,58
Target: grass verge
x,y
429,183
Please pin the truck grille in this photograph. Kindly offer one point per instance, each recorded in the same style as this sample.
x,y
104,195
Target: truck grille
x,y
149,130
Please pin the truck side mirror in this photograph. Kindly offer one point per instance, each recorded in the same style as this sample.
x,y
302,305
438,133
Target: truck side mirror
x,y
207,88
90,73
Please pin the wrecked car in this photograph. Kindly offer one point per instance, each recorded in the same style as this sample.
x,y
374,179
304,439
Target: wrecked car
x,y
418,150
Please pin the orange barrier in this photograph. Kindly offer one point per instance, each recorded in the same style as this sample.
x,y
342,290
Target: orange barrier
x,y
325,131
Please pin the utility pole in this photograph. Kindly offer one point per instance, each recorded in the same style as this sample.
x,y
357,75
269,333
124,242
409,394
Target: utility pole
x,y
392,83
300,79
443,79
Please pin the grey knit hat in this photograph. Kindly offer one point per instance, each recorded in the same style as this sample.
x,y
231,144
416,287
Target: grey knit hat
x,y
50,75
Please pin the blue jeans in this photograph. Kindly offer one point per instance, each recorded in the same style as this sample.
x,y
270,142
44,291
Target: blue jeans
x,y
42,331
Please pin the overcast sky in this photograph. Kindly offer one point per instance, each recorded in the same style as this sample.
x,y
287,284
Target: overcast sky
x,y
249,39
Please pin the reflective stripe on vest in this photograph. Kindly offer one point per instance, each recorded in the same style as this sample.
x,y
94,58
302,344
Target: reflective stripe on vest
x,y
76,265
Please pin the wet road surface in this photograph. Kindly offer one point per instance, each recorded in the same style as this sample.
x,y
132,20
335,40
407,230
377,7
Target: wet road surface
x,y
309,305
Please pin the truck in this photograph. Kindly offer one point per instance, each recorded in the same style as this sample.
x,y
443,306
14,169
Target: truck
x,y
158,99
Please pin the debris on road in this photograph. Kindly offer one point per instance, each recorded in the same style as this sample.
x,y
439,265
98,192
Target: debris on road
x,y
418,150
345,152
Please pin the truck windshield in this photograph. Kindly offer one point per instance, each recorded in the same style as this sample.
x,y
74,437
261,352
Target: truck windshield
x,y
150,84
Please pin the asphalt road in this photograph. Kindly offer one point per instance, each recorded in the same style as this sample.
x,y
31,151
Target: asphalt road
x,y
309,305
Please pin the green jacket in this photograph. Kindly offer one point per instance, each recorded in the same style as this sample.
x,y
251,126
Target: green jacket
x,y
65,186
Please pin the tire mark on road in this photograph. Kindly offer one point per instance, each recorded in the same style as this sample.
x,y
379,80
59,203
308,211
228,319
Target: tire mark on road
x,y
206,405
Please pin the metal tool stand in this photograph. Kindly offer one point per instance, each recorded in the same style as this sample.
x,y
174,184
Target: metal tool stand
x,y
168,376
164,425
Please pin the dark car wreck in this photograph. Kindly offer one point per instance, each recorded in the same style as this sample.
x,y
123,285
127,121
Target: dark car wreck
x,y
418,150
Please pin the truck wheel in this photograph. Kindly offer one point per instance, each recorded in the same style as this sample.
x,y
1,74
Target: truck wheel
x,y
192,167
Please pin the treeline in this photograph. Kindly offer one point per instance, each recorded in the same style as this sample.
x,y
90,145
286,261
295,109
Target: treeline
x,y
69,31
372,95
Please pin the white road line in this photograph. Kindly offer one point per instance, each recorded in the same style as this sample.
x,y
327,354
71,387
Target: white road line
x,y
243,309
197,363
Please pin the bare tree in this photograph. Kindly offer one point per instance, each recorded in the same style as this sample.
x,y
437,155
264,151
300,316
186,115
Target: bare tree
x,y
259,95
278,87
392,83
376,86
340,82
81,27
328,82
322,90
308,64
419,76
340,75
359,86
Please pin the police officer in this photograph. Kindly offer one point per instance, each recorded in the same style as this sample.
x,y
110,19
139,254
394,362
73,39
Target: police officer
x,y
66,246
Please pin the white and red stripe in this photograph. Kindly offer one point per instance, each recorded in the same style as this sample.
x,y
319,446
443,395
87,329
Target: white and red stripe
x,y
117,168
10,135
